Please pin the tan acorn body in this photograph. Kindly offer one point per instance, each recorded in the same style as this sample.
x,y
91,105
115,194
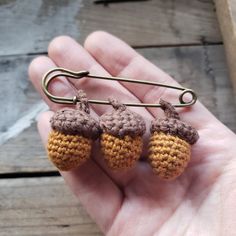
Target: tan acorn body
x,y
72,135
67,151
121,153
170,144
168,155
121,140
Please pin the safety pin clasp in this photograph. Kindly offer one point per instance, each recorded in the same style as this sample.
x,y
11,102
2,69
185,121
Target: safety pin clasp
x,y
56,72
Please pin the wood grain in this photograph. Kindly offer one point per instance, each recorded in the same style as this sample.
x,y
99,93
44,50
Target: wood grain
x,y
201,68
42,206
226,11
17,95
27,25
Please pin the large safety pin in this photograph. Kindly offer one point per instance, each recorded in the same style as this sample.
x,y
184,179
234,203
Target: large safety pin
x,y
50,75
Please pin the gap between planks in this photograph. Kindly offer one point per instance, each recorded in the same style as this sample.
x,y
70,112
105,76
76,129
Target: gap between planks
x,y
201,68
42,206
135,47
168,23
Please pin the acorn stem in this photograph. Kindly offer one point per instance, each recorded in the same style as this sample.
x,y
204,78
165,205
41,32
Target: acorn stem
x,y
116,104
169,110
83,103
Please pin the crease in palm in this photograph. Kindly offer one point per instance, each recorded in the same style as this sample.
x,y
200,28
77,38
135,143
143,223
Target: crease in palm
x,y
137,202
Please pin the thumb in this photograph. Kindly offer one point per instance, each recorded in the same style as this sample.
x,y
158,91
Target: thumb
x,y
94,189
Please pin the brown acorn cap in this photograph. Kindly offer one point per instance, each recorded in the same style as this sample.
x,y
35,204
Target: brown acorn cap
x,y
76,121
121,121
173,125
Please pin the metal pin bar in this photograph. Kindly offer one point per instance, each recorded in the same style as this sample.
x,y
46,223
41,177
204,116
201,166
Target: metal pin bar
x,y
52,74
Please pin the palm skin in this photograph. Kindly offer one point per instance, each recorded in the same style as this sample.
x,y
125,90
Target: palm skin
x,y
136,202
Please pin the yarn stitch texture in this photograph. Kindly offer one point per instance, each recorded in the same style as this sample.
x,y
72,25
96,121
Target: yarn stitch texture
x,y
75,122
170,143
70,141
68,151
169,155
121,122
121,141
121,153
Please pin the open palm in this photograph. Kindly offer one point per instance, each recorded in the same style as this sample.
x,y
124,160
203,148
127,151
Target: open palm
x,y
136,202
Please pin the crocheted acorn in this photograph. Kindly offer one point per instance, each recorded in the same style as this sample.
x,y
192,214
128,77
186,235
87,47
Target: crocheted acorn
x,y
121,140
170,143
70,140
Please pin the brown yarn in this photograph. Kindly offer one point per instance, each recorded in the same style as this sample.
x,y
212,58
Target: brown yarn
x,y
121,121
169,110
169,145
172,125
175,127
83,101
70,141
76,121
121,141
116,104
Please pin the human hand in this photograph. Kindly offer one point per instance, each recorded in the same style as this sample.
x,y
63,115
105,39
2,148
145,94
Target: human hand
x,y
199,202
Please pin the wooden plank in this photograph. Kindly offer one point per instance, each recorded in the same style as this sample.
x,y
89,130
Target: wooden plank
x,y
28,26
201,68
24,153
55,211
226,11
17,95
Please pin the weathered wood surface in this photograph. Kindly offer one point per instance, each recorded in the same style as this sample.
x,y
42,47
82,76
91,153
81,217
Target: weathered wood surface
x,y
226,11
17,95
42,206
26,26
201,68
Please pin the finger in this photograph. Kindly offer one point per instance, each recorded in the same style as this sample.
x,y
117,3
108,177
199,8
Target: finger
x,y
95,190
119,59
66,52
60,86
80,180
37,69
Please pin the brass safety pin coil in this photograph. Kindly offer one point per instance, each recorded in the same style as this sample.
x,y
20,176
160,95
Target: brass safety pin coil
x,y
52,74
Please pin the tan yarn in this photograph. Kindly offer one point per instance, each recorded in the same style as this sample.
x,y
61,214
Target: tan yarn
x,y
168,155
70,141
175,127
68,151
121,141
170,144
121,121
121,153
